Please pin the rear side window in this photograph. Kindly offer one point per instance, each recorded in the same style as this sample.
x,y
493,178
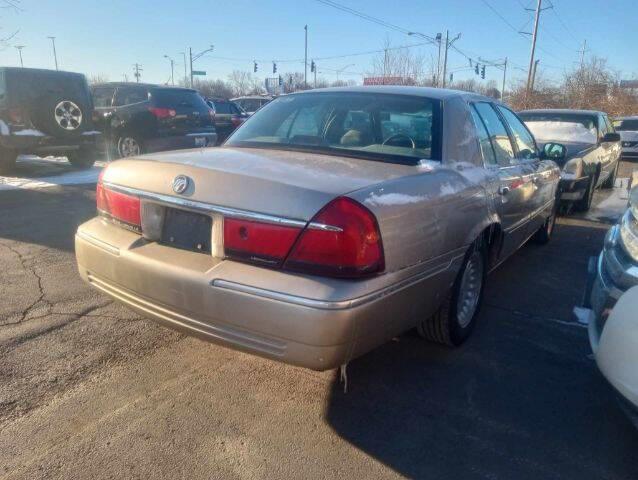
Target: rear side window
x,y
103,96
222,107
524,140
626,125
484,139
498,134
130,95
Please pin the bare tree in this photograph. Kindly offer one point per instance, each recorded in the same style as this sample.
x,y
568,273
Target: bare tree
x,y
98,78
214,88
401,62
244,83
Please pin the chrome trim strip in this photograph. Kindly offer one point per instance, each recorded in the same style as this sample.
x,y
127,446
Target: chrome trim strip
x,y
324,227
207,207
107,247
336,305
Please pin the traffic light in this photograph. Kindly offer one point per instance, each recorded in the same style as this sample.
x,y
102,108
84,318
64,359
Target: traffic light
x,y
483,72
274,67
312,66
476,68
255,67
451,77
281,81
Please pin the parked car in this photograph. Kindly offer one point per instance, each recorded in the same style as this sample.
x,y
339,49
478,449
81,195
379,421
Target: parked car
x,y
615,270
228,116
251,103
328,223
614,341
628,129
593,150
45,112
140,118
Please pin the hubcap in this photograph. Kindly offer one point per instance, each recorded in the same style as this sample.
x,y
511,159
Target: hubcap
x,y
68,115
470,291
129,147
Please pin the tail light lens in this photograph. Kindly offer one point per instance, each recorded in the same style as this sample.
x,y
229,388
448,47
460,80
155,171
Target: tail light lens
x,y
162,112
258,242
342,240
123,208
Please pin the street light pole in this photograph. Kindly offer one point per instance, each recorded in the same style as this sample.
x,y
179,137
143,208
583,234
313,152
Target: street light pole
x,y
172,69
20,47
530,72
195,57
448,44
185,72
55,55
504,75
190,54
305,61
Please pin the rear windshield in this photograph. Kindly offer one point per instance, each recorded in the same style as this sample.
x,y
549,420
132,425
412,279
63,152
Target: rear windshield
x,y
169,98
626,125
561,127
376,126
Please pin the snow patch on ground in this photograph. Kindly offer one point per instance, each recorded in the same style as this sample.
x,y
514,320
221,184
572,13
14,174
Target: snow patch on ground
x,y
29,132
67,175
614,203
388,199
4,129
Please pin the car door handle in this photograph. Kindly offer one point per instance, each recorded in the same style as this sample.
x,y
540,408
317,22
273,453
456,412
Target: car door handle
x,y
503,190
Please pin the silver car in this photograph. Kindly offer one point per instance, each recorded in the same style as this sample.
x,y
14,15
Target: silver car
x,y
330,222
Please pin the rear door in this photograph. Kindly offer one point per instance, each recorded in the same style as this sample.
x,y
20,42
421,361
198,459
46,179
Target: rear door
x,y
191,114
508,188
103,106
610,150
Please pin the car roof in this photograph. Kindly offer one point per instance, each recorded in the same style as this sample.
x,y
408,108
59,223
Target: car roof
x,y
428,92
146,85
568,111
38,70
250,97
628,117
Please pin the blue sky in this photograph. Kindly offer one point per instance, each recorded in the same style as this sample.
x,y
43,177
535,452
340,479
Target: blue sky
x,y
106,37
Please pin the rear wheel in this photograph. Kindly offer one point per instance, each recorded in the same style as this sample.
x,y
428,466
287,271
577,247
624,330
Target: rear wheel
x,y
82,158
454,321
8,159
584,203
128,146
611,180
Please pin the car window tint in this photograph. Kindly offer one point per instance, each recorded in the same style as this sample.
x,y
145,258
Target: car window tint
x,y
234,109
302,123
130,95
484,139
524,140
610,127
222,107
103,97
626,125
498,134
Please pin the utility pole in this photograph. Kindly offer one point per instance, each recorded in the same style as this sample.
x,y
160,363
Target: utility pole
x,y
504,75
190,54
439,37
55,55
172,69
448,44
195,57
20,47
530,72
582,54
185,72
385,64
305,61
536,62
137,73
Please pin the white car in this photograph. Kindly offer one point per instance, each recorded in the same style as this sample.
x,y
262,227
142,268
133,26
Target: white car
x,y
614,341
628,129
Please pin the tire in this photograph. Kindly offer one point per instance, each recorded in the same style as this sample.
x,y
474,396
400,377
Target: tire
x,y
128,146
83,158
61,116
611,180
8,159
584,204
544,234
448,326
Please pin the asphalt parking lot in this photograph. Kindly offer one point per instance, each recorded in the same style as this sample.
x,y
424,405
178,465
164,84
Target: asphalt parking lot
x,y
89,389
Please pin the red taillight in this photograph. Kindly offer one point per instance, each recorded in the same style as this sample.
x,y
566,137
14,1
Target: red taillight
x,y
342,240
162,112
236,121
118,206
257,241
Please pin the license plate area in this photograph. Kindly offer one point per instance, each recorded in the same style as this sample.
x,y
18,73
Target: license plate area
x,y
200,141
187,230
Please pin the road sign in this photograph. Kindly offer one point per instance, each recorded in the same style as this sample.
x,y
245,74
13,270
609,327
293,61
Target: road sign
x,y
199,72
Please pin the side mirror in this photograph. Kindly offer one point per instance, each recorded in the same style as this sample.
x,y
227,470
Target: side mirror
x,y
611,137
554,151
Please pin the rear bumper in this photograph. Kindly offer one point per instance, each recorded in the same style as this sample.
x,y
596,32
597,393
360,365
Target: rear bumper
x,y
191,140
252,309
573,189
47,144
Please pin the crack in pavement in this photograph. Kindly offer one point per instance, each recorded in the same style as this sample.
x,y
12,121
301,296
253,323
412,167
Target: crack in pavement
x,y
25,312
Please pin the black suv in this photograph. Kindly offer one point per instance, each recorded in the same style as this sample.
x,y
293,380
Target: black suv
x,y
228,116
45,112
140,118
